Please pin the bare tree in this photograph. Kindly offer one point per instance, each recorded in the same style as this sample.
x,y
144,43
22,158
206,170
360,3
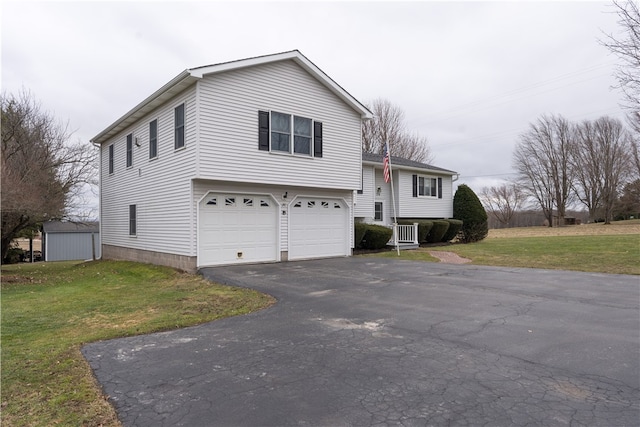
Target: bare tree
x,y
601,162
627,48
41,169
541,159
503,201
388,126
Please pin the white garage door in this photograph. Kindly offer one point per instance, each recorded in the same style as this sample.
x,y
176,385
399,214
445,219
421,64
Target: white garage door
x,y
237,228
319,227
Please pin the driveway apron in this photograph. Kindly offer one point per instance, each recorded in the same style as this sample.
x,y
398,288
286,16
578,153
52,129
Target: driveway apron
x,y
373,342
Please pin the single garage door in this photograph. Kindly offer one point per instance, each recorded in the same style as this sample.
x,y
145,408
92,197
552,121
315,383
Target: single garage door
x,y
318,227
237,228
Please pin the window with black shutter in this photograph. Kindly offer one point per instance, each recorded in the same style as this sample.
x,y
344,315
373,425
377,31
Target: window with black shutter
x,y
288,133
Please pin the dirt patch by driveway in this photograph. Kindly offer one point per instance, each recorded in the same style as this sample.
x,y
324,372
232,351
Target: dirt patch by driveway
x,y
449,257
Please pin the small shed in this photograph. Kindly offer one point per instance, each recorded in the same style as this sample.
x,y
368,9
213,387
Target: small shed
x,y
66,240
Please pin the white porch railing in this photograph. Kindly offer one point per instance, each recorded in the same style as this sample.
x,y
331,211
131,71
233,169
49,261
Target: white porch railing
x,y
404,234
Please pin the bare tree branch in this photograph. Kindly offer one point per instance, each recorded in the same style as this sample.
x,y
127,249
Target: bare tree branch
x,y
388,126
504,201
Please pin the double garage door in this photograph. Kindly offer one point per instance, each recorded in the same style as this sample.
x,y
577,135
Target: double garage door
x,y
242,228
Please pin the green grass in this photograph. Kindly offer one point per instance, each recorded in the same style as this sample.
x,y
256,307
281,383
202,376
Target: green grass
x,y
50,309
619,254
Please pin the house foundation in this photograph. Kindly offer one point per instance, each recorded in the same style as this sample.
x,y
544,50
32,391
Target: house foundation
x,y
181,262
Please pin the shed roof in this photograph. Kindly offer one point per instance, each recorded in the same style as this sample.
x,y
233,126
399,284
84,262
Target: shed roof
x,y
191,75
402,163
70,227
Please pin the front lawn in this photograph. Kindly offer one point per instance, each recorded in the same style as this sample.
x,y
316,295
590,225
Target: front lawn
x,y
50,309
592,248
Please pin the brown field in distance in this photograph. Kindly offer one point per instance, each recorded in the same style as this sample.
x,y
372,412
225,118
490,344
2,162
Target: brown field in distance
x,y
616,227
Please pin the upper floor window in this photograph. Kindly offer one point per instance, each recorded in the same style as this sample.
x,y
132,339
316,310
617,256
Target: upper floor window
x,y
153,139
301,135
280,132
129,150
287,133
111,158
179,127
427,186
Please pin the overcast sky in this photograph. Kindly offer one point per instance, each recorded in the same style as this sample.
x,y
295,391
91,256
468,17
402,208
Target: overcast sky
x,y
470,76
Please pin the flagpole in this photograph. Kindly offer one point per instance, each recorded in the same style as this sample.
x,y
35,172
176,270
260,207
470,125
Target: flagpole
x,y
393,201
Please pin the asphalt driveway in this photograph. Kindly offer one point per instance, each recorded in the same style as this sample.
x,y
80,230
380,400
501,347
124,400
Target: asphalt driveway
x,y
367,341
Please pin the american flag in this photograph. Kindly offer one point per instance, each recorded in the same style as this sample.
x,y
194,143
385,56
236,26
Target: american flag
x,y
385,162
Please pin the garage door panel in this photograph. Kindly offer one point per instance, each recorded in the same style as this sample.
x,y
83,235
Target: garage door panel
x,y
319,227
237,228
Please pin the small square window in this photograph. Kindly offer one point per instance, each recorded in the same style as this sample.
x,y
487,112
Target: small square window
x,y
325,204
213,201
427,187
230,201
248,202
264,203
297,205
311,204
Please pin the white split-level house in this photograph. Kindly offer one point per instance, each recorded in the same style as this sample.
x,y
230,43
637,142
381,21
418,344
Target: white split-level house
x,y
420,191
256,160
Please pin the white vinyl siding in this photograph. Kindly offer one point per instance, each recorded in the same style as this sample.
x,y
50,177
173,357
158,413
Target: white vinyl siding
x,y
365,201
161,190
228,126
423,206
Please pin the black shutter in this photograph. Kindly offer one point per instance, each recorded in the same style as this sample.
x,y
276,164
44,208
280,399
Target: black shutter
x,y
415,185
317,139
439,188
263,130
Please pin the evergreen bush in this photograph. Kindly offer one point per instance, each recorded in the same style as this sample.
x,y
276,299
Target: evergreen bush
x,y
455,225
376,236
440,227
468,209
359,230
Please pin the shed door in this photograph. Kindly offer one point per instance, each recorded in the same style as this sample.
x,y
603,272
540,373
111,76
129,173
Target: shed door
x,y
237,228
319,227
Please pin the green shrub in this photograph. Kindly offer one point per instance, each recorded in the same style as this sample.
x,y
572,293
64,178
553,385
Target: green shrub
x,y
455,225
424,226
376,237
14,255
359,230
468,209
440,227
